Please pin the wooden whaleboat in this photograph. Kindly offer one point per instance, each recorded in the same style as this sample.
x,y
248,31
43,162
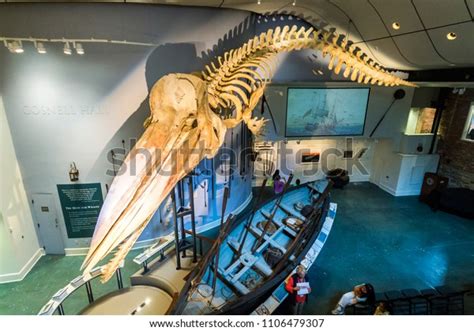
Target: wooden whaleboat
x,y
246,264
255,253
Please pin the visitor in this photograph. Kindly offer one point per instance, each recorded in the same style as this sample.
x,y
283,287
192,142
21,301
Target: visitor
x,y
298,288
276,174
278,182
382,309
360,293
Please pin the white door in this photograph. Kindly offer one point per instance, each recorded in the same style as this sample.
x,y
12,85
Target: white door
x,y
46,220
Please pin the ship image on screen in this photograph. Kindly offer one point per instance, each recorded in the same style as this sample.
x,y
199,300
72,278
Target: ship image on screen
x,y
326,111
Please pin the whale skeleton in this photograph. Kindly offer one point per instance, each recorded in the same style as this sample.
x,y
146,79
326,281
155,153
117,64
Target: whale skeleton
x,y
188,122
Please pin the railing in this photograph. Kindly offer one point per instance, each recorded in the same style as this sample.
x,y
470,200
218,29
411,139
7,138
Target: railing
x,y
162,246
159,247
164,243
55,304
57,300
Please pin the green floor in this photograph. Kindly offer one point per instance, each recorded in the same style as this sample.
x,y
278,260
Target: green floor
x,y
391,242
51,273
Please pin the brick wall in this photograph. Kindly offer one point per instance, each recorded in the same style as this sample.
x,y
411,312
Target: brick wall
x,y
457,155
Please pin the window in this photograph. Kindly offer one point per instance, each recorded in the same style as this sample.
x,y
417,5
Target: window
x,y
420,121
468,133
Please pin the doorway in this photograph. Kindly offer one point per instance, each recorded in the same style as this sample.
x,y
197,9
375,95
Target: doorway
x,y
46,219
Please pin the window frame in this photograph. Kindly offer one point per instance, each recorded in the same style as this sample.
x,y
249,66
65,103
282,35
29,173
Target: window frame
x,y
467,125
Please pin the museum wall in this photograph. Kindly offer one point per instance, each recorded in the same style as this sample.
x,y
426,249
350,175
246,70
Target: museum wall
x,y
64,109
331,157
391,159
19,248
456,153
397,173
391,129
379,100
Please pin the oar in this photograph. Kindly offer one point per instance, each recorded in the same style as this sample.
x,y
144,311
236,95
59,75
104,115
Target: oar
x,y
275,208
249,221
216,267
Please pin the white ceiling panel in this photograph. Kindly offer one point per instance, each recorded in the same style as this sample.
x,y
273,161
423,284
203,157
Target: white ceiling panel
x,y
400,11
320,13
435,13
372,18
208,3
322,10
470,4
417,48
386,53
61,1
364,17
459,51
334,19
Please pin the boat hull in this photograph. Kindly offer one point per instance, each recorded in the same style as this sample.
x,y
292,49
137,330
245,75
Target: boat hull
x,y
246,304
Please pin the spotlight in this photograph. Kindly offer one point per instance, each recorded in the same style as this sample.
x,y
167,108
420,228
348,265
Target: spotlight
x,y
40,48
259,2
451,36
318,72
67,49
79,49
459,90
294,3
396,25
15,47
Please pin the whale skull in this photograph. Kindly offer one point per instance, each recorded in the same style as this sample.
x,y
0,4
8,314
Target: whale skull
x,y
181,131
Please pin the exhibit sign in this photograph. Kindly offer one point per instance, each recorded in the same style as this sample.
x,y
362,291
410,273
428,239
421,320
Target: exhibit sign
x,y
81,205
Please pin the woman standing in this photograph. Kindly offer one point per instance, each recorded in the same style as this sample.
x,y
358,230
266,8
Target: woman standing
x,y
278,182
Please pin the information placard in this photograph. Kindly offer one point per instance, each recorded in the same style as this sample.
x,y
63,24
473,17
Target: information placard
x,y
81,205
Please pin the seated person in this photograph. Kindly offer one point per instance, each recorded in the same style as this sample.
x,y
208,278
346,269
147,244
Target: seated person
x,y
382,309
358,294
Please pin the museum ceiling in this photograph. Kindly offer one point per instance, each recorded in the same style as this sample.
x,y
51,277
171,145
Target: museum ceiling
x,y
402,34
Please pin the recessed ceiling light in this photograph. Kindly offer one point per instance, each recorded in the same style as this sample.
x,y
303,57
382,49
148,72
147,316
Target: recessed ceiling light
x,y
451,36
396,25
